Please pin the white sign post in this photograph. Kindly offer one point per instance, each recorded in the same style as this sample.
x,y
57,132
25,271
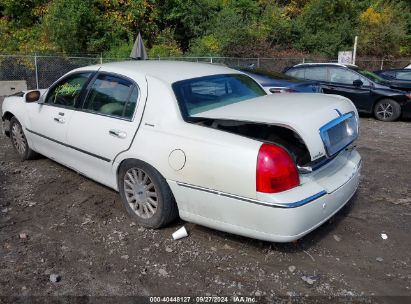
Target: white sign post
x,y
355,49
345,57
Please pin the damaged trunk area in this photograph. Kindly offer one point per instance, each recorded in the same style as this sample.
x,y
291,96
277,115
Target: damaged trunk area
x,y
278,135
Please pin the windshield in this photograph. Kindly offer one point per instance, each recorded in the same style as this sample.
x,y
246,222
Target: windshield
x,y
372,76
206,93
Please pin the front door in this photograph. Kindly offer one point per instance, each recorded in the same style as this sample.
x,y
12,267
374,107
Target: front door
x,y
50,118
341,83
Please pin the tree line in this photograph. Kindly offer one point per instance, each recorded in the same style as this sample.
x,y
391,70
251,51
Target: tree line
x,y
244,28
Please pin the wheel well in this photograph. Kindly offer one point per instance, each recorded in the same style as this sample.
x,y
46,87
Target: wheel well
x,y
127,159
8,116
118,169
382,98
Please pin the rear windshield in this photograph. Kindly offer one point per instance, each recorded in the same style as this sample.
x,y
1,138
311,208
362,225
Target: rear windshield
x,y
206,93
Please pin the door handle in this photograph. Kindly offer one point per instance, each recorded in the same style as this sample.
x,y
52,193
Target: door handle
x,y
117,133
59,120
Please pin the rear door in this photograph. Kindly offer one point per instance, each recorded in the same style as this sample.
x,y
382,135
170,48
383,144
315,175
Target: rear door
x,y
105,125
49,120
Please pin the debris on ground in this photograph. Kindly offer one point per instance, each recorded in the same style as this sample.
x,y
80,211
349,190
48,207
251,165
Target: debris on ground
x,y
87,221
309,279
228,247
180,233
55,278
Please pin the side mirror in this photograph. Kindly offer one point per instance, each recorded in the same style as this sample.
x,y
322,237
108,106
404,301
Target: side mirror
x,y
357,83
32,96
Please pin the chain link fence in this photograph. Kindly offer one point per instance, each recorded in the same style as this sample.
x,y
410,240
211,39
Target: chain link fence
x,y
40,71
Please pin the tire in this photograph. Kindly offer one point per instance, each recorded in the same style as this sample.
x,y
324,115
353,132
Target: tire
x,y
146,195
387,110
19,141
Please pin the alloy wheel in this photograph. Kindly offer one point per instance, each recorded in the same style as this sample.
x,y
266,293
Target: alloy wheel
x,y
384,110
18,138
140,192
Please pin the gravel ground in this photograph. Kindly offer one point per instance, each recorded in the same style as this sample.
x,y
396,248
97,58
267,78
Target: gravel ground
x,y
56,222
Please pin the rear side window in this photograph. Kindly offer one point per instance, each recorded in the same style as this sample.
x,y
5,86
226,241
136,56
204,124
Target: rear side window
x,y
206,93
112,95
297,73
316,73
67,91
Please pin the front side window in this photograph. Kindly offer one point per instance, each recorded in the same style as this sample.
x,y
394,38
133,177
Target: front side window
x,y
112,95
343,76
206,93
316,73
67,91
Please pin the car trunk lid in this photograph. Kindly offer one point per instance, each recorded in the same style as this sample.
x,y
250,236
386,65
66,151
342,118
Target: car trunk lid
x,y
309,115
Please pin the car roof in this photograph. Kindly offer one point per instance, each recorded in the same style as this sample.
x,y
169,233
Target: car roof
x,y
167,71
346,65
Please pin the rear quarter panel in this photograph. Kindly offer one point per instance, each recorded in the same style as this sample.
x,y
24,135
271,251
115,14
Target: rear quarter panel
x,y
213,159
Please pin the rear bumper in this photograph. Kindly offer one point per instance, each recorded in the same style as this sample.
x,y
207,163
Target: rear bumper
x,y
273,220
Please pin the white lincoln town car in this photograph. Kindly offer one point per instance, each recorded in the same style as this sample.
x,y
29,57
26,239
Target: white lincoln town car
x,y
199,141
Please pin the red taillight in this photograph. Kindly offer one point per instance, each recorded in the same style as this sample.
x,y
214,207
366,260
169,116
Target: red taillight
x,y
276,170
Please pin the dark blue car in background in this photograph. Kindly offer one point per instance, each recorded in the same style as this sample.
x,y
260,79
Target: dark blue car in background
x,y
370,93
398,78
280,83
